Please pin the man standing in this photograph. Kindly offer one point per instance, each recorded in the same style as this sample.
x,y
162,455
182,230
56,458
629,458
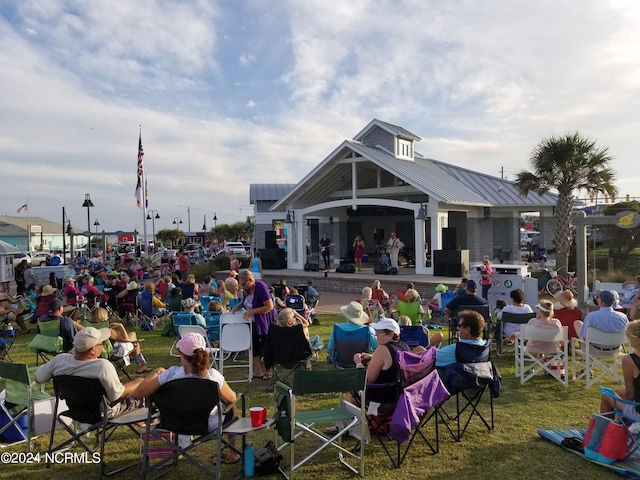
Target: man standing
x,y
86,362
183,264
324,246
394,245
605,319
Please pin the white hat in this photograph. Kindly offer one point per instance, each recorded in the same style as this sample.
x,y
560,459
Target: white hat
x,y
387,324
90,337
355,313
133,286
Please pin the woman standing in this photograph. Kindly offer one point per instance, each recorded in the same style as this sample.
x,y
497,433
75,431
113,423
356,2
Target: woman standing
x,y
358,251
258,306
486,275
256,265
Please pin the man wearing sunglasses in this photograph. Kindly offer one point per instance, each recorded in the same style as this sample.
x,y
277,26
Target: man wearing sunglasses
x,y
470,327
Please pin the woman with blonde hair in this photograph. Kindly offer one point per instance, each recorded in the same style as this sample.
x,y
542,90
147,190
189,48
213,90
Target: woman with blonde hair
x,y
379,294
223,294
372,306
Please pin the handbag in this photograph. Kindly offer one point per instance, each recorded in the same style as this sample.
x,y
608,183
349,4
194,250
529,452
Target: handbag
x,y
267,459
606,440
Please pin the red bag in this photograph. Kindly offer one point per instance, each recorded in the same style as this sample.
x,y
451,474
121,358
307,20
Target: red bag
x,y
606,440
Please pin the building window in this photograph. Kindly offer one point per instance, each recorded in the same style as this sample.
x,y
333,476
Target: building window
x,y
405,149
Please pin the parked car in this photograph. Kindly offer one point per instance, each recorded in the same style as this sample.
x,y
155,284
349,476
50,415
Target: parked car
x,y
235,248
193,249
247,246
18,257
39,259
529,238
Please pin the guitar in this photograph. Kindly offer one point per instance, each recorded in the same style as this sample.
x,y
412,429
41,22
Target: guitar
x,y
322,249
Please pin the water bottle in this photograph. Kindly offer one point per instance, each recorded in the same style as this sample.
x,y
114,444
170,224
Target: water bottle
x,y
249,460
10,331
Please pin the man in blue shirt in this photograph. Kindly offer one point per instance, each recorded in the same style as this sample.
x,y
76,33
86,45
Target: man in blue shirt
x,y
470,327
67,327
605,319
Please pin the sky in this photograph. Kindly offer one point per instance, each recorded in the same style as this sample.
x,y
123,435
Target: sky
x,y
228,93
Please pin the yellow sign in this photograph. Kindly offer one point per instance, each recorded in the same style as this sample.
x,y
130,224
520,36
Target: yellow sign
x,y
627,219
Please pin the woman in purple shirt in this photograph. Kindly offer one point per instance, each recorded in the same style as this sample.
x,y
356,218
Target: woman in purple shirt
x,y
258,305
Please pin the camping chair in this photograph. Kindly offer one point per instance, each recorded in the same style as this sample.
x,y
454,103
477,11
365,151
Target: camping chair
x,y
213,352
297,303
288,347
212,319
508,317
48,341
567,317
411,310
235,337
586,355
400,411
17,401
145,311
178,319
346,343
233,302
5,346
120,363
279,290
188,290
185,418
445,298
128,307
531,360
205,299
88,407
481,309
292,421
414,336
468,380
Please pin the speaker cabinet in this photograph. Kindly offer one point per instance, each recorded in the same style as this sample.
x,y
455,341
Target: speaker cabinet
x,y
270,239
273,258
449,238
451,263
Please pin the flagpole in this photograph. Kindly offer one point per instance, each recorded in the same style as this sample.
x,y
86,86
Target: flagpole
x,y
28,226
143,186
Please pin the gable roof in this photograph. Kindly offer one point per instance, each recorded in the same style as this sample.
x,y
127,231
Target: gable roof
x,y
394,130
48,227
443,182
269,191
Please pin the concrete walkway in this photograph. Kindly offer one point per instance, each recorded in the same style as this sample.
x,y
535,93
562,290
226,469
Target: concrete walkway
x,y
330,302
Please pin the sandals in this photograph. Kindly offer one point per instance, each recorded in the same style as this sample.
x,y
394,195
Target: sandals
x,y
267,376
225,459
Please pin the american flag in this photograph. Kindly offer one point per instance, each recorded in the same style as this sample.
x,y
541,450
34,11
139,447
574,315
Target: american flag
x,y
139,191
23,208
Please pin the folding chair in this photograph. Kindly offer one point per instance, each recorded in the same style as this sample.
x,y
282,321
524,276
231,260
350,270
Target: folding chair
x,y
634,437
188,290
235,337
212,319
5,346
145,310
18,399
120,363
399,412
88,407
445,298
297,303
205,299
508,317
293,422
531,360
55,346
414,336
213,352
587,355
178,319
468,380
233,302
567,317
411,310
288,347
346,343
185,418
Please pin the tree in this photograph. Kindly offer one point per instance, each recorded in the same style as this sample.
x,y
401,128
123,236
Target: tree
x,y
567,164
169,236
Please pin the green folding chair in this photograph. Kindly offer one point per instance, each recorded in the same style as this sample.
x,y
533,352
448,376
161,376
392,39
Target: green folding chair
x,y
20,394
292,421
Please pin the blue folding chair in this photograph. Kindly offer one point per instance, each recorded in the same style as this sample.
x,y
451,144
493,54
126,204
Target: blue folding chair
x,y
205,299
178,319
212,319
346,343
233,302
414,336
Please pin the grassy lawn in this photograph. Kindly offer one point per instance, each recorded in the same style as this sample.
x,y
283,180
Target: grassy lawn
x,y
512,450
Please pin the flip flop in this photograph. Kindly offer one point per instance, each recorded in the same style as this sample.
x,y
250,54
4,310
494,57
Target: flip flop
x,y
225,460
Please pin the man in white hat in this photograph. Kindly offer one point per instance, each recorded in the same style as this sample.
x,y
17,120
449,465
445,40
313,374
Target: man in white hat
x,y
86,362
356,318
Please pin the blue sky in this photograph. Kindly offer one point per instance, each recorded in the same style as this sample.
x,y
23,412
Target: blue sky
x,y
230,93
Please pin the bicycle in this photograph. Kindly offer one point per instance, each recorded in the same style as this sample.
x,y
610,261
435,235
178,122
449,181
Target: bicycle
x,y
558,283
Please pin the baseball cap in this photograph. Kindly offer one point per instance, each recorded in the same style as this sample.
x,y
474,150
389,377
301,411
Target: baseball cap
x,y
90,337
387,324
190,343
472,286
54,305
607,297
441,288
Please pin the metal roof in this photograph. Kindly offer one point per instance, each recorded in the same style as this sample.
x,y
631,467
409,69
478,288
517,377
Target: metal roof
x,y
392,129
48,227
269,191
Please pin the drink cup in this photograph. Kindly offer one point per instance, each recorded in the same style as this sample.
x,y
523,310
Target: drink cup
x,y
258,416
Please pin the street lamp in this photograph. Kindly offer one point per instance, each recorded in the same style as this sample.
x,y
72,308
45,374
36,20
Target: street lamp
x,y
204,228
153,223
70,233
88,203
96,224
215,220
176,221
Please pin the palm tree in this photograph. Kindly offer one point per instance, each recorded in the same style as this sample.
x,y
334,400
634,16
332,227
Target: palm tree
x,y
567,164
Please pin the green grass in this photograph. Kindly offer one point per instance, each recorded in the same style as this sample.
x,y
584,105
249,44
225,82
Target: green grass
x,y
512,450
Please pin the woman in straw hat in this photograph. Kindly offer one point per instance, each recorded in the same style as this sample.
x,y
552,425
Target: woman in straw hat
x,y
356,317
564,299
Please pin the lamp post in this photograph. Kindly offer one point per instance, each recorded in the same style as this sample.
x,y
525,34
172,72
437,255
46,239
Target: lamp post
x,y
70,233
153,223
96,224
204,229
215,220
177,221
88,203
